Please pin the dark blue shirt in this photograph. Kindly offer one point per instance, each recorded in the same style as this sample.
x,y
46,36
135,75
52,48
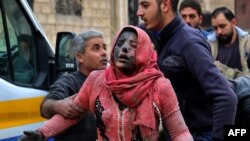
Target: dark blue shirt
x,y
230,55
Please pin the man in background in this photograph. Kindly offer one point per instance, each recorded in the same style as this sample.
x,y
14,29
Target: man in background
x,y
230,44
191,13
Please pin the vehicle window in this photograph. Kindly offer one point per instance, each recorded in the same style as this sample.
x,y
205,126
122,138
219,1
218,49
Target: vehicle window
x,y
66,53
17,46
3,50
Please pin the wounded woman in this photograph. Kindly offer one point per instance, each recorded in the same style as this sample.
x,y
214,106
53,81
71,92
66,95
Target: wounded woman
x,y
130,98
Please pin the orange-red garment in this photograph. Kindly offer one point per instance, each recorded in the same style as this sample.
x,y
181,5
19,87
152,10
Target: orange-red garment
x,y
148,96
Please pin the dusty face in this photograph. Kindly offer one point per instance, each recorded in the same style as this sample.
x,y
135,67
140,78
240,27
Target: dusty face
x,y
124,52
224,29
151,14
94,56
191,17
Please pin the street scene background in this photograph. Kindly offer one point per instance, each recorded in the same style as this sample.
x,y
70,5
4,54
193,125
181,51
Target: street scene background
x,y
110,15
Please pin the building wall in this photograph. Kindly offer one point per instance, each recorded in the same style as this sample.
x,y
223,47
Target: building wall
x,y
104,15
210,5
242,9
239,7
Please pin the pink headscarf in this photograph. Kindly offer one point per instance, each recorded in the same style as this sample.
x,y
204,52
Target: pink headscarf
x,y
137,91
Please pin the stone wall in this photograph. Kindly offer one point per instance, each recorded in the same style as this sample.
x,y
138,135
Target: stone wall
x,y
105,15
98,14
210,5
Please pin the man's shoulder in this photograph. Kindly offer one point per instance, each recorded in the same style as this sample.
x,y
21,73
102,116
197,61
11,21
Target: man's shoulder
x,y
70,78
241,33
193,37
66,85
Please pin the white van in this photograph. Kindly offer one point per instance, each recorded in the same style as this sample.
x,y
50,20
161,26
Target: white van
x,y
28,66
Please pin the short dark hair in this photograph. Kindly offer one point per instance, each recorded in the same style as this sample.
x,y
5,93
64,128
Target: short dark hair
x,y
225,11
174,4
193,4
24,38
206,18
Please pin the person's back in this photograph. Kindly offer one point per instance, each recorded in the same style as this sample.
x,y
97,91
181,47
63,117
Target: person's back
x,y
206,22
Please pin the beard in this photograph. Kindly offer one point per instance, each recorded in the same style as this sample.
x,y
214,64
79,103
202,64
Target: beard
x,y
154,23
225,39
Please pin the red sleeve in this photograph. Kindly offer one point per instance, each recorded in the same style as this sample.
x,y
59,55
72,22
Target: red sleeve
x,y
58,123
55,125
171,116
82,99
87,94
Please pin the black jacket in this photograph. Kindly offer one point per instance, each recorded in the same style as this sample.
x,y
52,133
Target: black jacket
x,y
206,100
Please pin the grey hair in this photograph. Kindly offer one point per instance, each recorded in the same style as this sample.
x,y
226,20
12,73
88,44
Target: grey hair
x,y
80,40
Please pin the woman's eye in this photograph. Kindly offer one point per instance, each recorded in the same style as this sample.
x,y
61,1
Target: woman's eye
x,y
120,43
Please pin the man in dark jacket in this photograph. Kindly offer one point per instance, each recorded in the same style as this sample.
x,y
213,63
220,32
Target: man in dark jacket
x,y
184,56
91,55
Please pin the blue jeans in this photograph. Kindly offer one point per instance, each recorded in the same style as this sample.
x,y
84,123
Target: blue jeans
x,y
202,136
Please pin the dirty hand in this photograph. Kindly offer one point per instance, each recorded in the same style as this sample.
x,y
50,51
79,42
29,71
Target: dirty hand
x,y
68,109
31,136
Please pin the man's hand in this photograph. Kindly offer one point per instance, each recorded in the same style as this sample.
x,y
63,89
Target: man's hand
x,y
68,109
31,136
